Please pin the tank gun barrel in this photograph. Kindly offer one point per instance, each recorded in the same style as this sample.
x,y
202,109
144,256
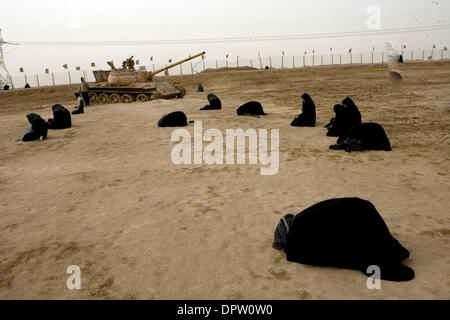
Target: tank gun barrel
x,y
152,74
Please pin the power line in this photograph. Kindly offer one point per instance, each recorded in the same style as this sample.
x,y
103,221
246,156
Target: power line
x,y
236,39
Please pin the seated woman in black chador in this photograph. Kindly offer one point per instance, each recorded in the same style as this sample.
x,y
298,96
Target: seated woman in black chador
x,y
38,129
61,118
345,233
214,103
308,116
174,119
364,136
252,108
347,115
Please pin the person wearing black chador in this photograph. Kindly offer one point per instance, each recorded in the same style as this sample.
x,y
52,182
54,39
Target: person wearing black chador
x,y
364,136
345,233
353,114
174,119
252,108
308,116
347,115
38,128
214,103
61,118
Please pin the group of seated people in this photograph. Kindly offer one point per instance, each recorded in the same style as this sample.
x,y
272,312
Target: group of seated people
x,y
353,135
179,118
345,233
39,127
61,120
347,125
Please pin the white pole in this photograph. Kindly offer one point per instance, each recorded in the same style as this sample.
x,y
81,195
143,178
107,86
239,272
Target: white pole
x,y
293,62
26,80
282,62
270,62
340,58
260,61
37,80
321,59
237,61
53,79
181,70
192,68
251,63
304,61
70,79
217,65
361,58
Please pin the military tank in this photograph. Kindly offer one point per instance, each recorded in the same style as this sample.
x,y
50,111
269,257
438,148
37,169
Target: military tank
x,y
127,85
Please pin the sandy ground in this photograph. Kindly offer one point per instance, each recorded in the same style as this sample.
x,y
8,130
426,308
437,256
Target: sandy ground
x,y
104,195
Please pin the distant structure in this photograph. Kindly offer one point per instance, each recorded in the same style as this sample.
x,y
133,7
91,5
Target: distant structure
x,y
5,77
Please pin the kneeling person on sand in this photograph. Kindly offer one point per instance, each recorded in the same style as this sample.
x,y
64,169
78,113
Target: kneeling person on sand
x,y
80,104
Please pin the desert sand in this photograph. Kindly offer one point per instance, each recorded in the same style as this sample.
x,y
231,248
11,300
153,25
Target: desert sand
x,y
105,195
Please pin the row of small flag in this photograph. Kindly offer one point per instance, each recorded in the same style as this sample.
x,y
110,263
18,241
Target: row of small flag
x,y
65,66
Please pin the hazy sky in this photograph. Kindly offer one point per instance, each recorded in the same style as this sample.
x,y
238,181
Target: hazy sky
x,y
138,20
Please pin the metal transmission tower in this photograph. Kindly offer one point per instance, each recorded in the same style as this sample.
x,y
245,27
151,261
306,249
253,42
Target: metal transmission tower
x,y
5,77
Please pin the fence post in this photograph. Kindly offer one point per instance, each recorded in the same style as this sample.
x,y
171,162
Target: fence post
x,y
382,57
237,61
26,80
372,57
37,80
423,55
332,59
321,59
351,58
282,62
361,58
181,70
70,79
304,61
293,62
217,65
192,69
340,58
260,61
313,60
251,63
53,79
270,62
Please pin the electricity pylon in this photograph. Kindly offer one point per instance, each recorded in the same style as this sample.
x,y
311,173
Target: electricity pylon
x,y
5,77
